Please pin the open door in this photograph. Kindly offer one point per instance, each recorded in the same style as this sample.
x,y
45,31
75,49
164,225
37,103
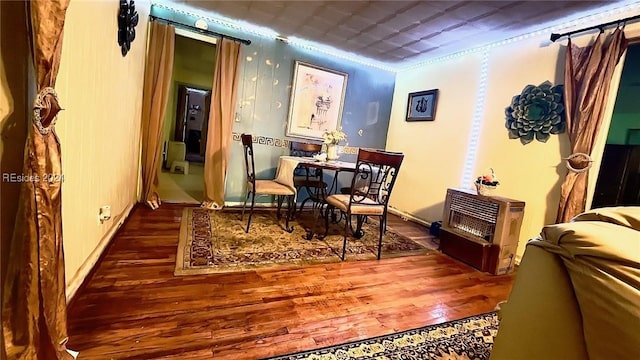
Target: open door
x,y
181,114
205,124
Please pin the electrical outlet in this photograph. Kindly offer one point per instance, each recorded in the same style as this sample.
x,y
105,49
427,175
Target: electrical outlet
x,y
104,213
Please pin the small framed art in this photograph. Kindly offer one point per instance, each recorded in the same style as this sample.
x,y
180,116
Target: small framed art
x,y
422,105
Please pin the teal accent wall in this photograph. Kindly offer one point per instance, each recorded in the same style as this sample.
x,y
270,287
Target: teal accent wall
x,y
266,76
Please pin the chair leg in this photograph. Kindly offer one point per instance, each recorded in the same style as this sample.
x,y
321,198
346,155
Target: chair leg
x,y
279,200
290,201
358,233
383,225
253,203
326,219
344,242
245,205
293,214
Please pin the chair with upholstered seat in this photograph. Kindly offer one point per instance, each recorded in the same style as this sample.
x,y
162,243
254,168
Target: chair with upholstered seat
x,y
371,186
263,187
304,177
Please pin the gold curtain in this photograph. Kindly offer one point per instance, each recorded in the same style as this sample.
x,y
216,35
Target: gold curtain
x,y
157,81
34,318
220,125
587,76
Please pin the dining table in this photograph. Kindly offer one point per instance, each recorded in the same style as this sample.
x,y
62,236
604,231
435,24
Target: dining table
x,y
285,175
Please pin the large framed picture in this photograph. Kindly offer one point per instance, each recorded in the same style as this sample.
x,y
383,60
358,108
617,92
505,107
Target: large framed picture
x,y
422,105
317,98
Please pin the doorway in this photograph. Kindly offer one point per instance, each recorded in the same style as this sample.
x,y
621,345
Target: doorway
x,y
181,175
618,181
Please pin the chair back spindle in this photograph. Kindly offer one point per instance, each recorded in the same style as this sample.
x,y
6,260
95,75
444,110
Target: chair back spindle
x,y
374,177
300,149
304,149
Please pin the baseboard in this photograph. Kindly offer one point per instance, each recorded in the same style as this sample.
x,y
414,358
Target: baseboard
x,y
87,267
407,216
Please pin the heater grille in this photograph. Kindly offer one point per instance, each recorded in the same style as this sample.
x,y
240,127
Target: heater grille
x,y
473,216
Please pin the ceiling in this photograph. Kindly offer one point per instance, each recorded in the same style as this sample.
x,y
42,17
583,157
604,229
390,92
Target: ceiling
x,y
400,32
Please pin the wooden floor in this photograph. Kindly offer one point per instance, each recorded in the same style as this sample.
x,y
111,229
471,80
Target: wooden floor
x,y
134,307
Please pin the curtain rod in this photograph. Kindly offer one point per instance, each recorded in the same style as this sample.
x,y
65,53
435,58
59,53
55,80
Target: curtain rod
x,y
555,36
202,31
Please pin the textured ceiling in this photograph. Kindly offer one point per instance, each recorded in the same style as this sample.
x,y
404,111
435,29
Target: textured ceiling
x,y
399,32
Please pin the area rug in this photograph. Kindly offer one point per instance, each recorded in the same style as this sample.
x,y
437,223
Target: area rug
x,y
215,242
465,339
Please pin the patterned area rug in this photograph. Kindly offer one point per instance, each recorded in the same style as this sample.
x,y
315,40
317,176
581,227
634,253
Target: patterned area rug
x,y
215,242
465,339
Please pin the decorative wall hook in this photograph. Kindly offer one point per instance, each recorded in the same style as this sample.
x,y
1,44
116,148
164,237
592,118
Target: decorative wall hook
x,y
576,156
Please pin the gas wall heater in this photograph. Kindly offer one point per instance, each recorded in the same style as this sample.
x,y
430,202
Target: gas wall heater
x,y
481,231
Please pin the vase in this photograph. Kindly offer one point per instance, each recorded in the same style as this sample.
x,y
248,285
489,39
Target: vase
x,y
485,190
332,152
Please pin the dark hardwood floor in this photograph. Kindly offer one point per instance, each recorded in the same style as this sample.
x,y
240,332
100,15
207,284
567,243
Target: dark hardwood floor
x,y
134,307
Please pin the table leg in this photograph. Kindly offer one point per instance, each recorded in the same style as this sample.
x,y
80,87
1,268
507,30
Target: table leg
x,y
290,202
357,232
314,224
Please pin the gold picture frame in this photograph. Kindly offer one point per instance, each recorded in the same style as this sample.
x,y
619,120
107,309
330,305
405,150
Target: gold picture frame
x,y
316,102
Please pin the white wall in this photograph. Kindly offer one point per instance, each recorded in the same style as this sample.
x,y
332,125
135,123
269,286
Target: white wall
x,y
435,152
99,129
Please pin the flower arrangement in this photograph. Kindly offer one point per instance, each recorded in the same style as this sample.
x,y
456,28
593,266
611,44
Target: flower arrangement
x,y
487,182
334,137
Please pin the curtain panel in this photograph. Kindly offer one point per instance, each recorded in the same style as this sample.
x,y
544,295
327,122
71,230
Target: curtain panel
x,y
587,78
220,125
157,82
34,318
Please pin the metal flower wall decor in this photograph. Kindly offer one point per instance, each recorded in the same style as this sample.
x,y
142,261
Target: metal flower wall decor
x,y
537,112
127,21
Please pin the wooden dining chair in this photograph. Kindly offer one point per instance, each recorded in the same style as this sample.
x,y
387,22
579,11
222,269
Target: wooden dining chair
x,y
371,186
306,178
263,187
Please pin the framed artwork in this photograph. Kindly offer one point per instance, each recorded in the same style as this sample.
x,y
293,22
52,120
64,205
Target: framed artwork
x,y
317,98
422,105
